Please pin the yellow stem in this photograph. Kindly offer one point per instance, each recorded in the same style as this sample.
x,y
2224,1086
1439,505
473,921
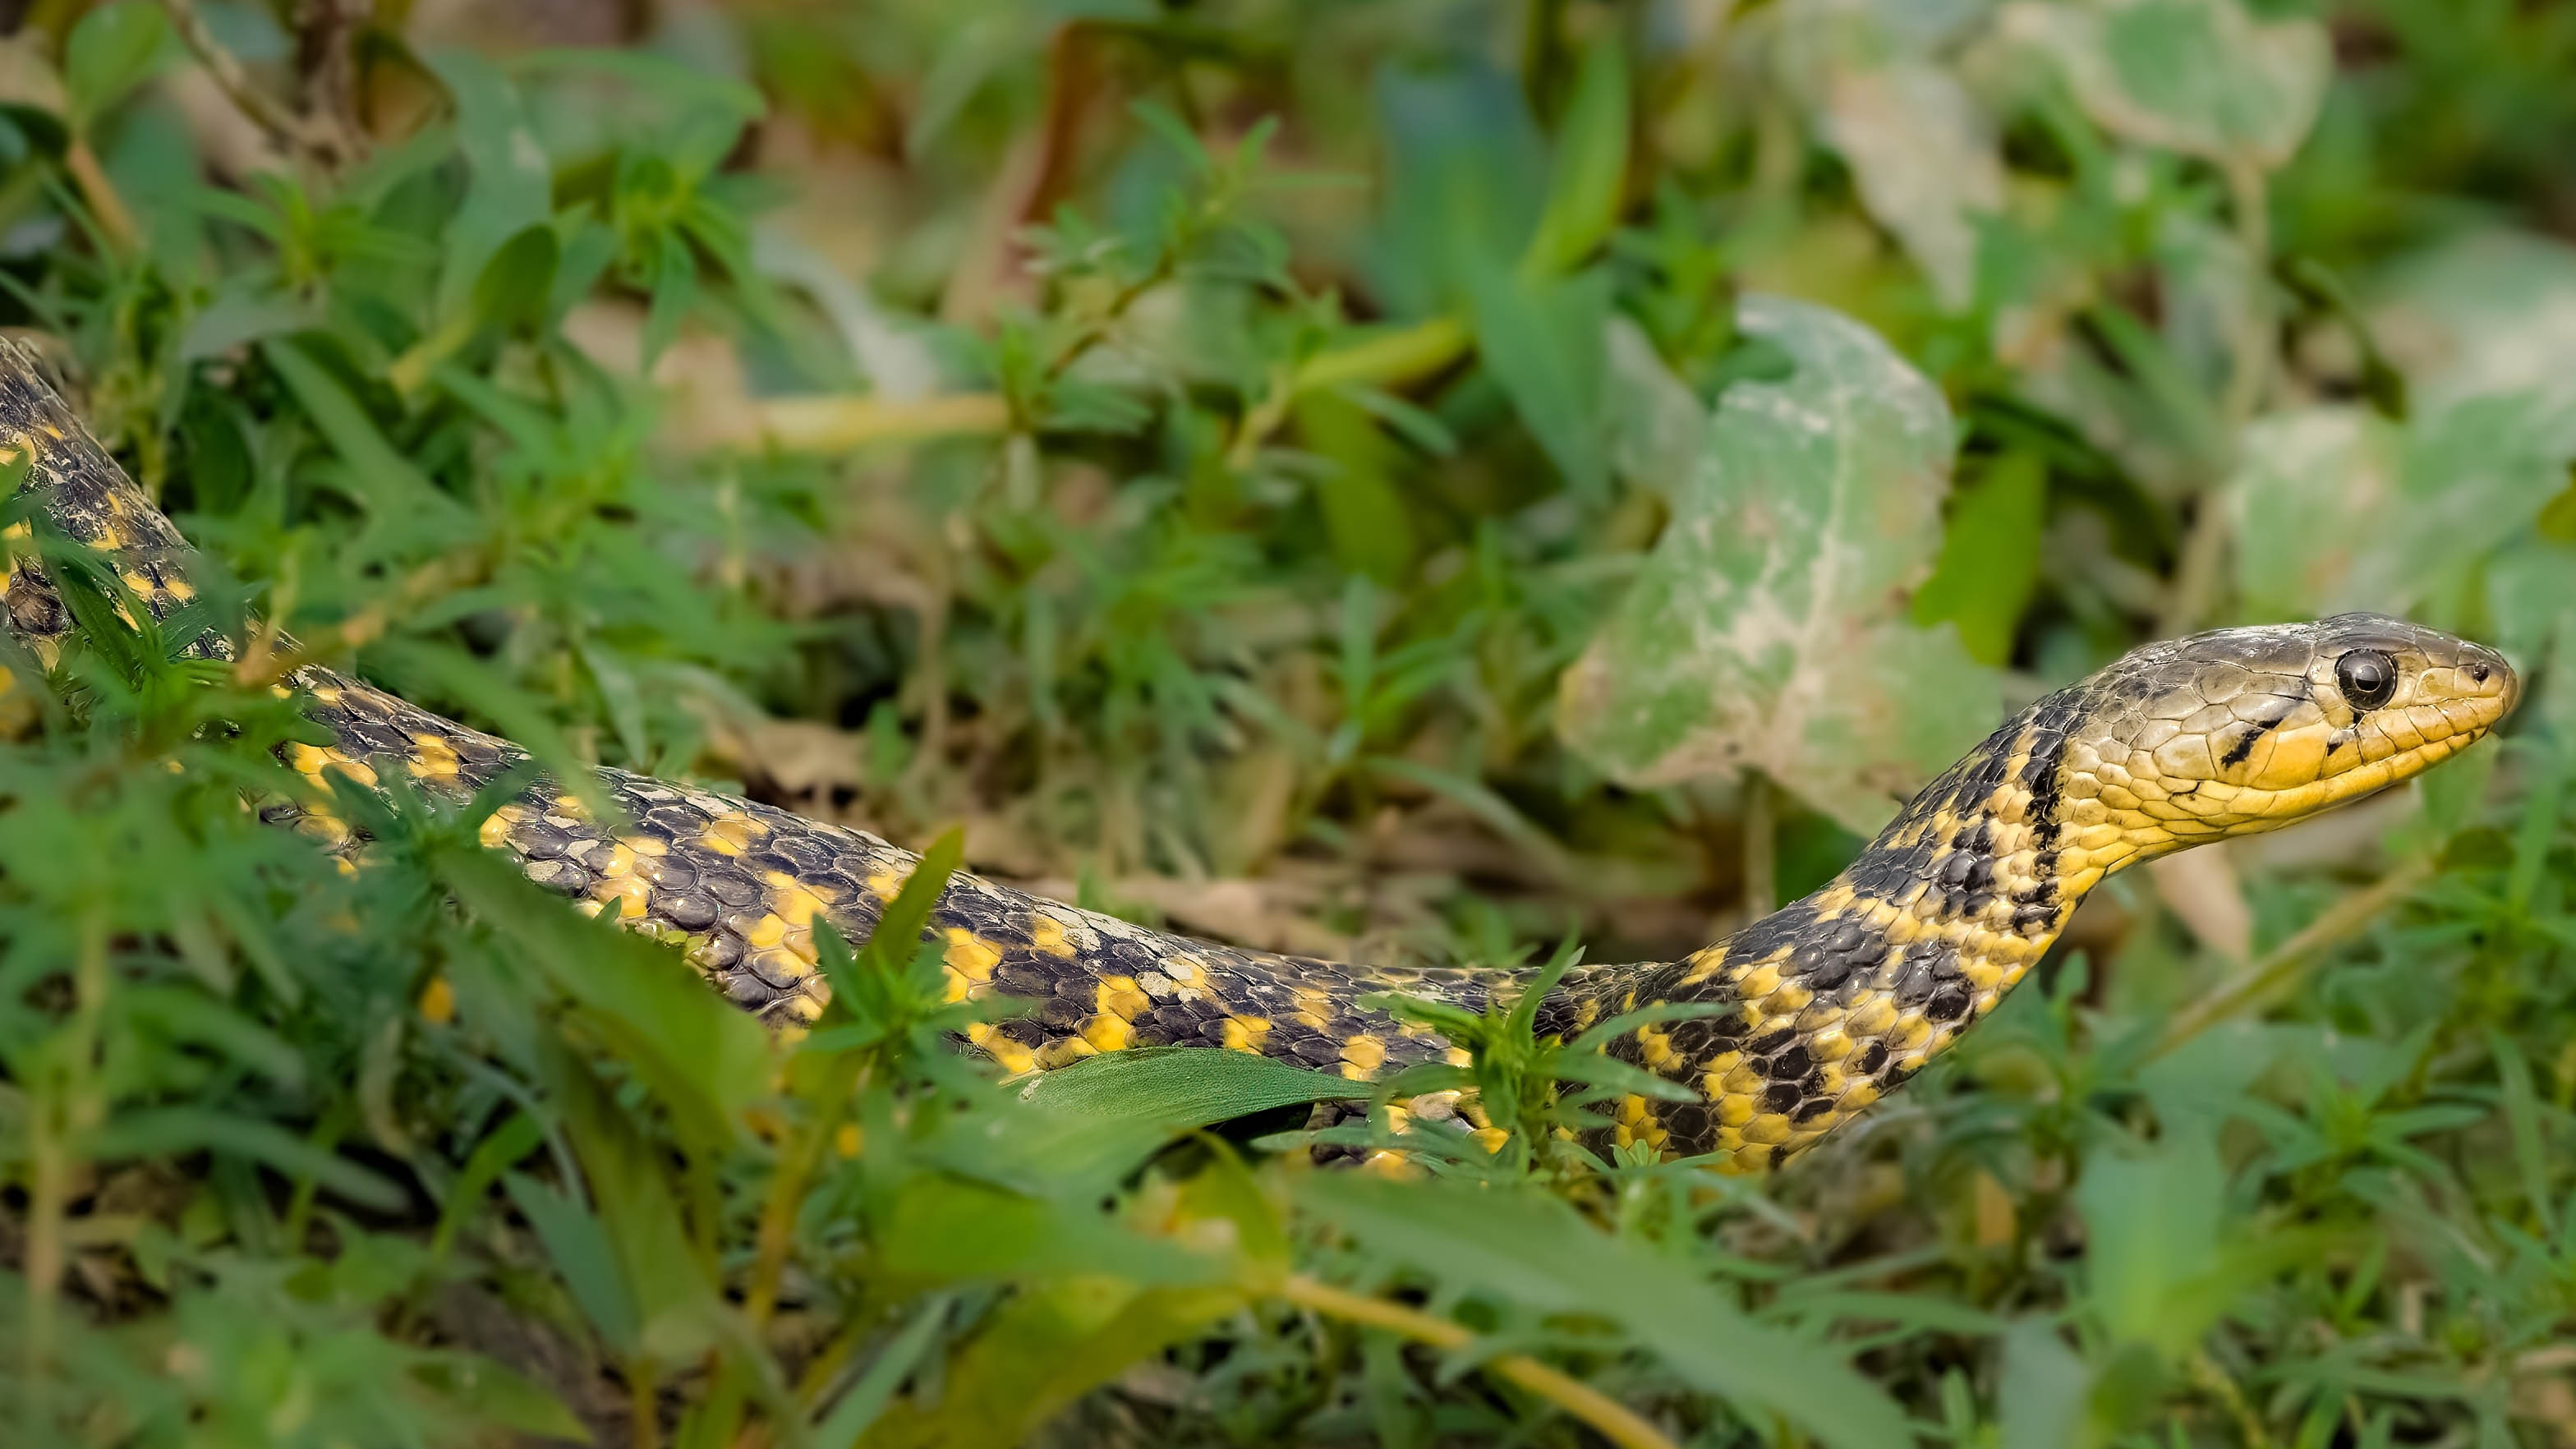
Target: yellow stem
x,y
1388,361
1615,1421
832,423
115,221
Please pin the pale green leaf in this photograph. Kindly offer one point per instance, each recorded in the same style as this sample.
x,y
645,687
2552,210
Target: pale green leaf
x,y
2335,508
499,1396
2152,1222
1180,1087
1364,511
376,474
2045,1391
1542,342
2531,594
510,184
111,51
2202,77
159,1131
2490,312
1989,558
1655,426
1767,629
1922,151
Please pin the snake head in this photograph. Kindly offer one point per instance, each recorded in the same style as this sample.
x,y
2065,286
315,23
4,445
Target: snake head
x,y
2244,730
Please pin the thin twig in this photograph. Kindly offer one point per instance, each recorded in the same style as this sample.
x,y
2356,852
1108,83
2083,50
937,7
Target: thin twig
x,y
837,424
1616,1422
2344,919
115,219
1390,360
298,134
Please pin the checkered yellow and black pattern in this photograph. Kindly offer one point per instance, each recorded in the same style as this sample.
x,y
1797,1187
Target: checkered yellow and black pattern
x,y
1832,1002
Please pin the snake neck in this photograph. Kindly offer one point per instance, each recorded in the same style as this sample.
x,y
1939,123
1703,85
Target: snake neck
x,y
1837,999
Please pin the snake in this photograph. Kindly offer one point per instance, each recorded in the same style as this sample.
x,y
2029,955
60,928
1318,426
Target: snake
x,y
1807,1016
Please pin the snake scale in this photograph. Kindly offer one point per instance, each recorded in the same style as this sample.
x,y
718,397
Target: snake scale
x,y
1830,1003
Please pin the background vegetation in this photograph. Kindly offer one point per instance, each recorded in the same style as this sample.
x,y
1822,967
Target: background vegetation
x,y
1228,457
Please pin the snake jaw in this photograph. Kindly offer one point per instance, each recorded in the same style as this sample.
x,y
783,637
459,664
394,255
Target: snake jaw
x,y
2242,731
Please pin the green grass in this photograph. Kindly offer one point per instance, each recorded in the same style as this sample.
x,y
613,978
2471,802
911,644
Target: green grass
x,y
1189,446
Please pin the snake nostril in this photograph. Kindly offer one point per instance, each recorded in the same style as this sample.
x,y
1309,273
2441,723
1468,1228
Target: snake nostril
x,y
2478,673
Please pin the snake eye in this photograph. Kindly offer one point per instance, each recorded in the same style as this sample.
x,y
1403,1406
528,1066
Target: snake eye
x,y
2367,678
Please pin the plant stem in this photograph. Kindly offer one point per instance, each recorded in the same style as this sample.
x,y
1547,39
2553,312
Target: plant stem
x,y
2344,919
1761,847
59,1115
643,1407
1390,360
310,136
1615,1421
115,219
787,1190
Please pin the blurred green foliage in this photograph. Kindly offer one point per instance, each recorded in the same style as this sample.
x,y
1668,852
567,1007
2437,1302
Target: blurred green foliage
x,y
1393,477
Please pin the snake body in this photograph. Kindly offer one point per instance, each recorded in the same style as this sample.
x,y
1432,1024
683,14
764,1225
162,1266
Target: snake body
x,y
1829,1003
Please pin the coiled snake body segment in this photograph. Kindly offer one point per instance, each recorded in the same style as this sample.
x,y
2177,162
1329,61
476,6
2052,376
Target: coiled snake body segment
x,y
1833,1001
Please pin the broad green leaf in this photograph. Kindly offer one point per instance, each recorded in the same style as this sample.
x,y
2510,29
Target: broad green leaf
x,y
1044,1346
1466,173
1767,629
2489,312
499,1396
1922,152
2045,1391
1103,1117
1591,168
240,314
1535,1252
956,1231
2315,488
158,1131
2336,508
2531,595
674,291
1655,426
702,1059
2163,1258
111,51
375,474
1364,512
859,1408
1989,558
2206,285
635,1193
514,285
652,72
2152,1222
1180,1087
578,1246
510,183
2202,77
1542,342
1066,1333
